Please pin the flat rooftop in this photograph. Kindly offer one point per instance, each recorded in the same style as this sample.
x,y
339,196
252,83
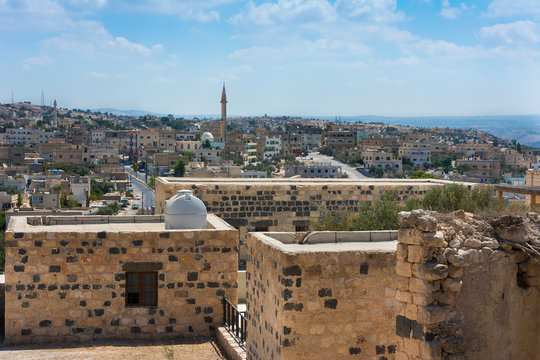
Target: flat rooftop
x,y
97,223
290,181
331,241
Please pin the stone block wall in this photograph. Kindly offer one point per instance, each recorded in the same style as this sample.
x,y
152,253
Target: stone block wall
x,y
280,204
323,301
465,287
67,282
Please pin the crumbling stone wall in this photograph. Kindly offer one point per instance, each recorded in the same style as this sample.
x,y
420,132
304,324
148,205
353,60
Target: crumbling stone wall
x,y
466,289
282,205
70,285
324,301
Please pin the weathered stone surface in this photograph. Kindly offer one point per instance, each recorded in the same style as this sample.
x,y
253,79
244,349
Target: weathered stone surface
x,y
426,223
430,271
432,314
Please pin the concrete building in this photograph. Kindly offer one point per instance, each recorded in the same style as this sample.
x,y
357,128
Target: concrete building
x,y
45,200
380,159
311,171
481,170
340,140
272,147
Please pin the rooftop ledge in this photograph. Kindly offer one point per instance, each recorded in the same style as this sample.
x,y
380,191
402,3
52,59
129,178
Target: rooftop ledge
x,y
331,241
99,223
299,181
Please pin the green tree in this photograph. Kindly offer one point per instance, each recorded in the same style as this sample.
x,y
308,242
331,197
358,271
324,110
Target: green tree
x,y
152,181
135,166
206,144
519,149
179,168
111,209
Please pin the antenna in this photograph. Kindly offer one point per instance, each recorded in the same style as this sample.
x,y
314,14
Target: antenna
x,y
42,98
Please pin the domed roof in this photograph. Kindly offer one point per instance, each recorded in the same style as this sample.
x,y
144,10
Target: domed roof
x,y
184,203
207,136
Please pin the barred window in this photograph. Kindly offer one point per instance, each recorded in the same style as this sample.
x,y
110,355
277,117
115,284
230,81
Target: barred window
x,y
141,288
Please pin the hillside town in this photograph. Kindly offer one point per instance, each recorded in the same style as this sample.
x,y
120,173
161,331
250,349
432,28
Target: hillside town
x,y
56,158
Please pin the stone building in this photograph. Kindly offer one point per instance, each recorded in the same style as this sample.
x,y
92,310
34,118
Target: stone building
x,y
285,204
82,278
329,295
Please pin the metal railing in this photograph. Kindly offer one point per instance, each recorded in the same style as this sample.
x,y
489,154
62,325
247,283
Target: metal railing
x,y
234,321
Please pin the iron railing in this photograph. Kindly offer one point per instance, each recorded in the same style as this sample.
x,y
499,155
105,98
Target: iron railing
x,y
234,321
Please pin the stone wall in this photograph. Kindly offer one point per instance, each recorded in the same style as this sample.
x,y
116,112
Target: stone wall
x,y
321,301
67,282
466,290
284,204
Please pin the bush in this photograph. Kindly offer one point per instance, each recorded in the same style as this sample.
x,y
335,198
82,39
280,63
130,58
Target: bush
x,y
111,209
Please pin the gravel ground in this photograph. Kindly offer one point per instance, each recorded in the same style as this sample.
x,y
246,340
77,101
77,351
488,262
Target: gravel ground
x,y
199,349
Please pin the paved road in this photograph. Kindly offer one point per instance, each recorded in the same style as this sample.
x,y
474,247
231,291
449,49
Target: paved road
x,y
352,173
148,197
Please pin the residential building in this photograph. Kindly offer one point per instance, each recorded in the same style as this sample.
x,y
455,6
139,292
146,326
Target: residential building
x,y
480,170
380,159
272,147
317,170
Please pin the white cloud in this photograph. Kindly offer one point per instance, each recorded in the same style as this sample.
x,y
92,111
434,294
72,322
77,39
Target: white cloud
x,y
507,8
90,39
450,12
40,60
518,32
306,11
96,75
447,49
161,79
371,10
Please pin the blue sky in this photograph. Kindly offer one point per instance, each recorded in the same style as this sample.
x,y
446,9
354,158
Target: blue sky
x,y
281,57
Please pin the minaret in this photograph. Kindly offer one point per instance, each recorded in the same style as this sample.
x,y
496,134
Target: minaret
x,y
54,115
223,123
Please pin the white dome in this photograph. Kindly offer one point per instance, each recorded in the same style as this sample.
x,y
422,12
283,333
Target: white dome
x,y
207,136
185,211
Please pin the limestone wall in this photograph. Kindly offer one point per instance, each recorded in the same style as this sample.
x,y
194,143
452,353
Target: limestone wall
x,y
283,204
323,301
67,282
465,288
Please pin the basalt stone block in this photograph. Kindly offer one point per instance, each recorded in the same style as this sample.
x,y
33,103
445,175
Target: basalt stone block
x,y
45,323
208,319
114,251
403,326
69,322
71,277
99,312
18,235
135,330
364,268
141,267
164,235
293,270
355,350
330,303
26,332
137,242
102,235
18,268
193,276
173,258
115,322
296,306
55,268
286,294
325,292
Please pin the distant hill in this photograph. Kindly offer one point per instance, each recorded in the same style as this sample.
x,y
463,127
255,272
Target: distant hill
x,y
524,128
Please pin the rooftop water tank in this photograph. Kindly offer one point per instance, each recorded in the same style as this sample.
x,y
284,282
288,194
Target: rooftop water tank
x,y
185,211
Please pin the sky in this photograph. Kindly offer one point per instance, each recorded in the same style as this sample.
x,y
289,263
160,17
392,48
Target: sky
x,y
280,57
